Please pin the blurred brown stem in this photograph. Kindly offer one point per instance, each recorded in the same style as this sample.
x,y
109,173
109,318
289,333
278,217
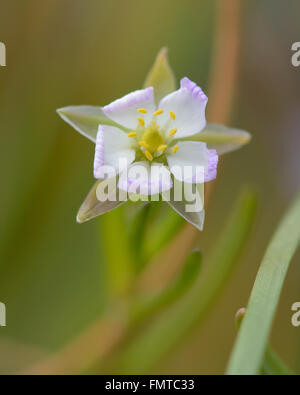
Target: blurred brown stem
x,y
95,343
225,60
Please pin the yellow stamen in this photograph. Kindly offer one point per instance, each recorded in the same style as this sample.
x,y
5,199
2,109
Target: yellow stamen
x,y
143,144
172,115
132,134
175,149
148,155
141,121
162,147
142,111
172,132
154,126
158,112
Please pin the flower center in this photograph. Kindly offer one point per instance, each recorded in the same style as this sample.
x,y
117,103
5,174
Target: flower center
x,y
152,138
153,141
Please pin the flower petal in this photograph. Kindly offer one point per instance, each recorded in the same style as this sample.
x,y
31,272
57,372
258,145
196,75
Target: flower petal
x,y
211,171
113,149
124,110
193,162
188,104
145,179
191,210
92,207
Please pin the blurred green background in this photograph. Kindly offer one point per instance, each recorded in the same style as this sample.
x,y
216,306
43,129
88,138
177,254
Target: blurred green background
x,y
69,52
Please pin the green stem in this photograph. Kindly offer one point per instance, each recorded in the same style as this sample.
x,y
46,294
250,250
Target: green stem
x,y
145,350
119,261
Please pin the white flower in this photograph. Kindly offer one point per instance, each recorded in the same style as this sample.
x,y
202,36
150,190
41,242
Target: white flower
x,y
151,137
144,149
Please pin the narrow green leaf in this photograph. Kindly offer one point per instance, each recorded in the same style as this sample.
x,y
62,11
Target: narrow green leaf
x,y
222,138
272,364
92,207
172,326
137,232
161,76
162,232
150,306
119,261
248,353
86,119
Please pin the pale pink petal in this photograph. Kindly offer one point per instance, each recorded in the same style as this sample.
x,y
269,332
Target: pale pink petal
x,y
145,179
124,111
188,104
113,152
193,162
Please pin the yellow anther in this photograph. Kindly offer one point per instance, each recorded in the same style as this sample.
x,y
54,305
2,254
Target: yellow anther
x,y
148,155
141,121
172,115
158,112
132,134
175,149
172,132
162,147
143,144
142,111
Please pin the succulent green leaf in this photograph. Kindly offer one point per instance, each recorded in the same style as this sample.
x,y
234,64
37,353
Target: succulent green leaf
x,y
161,76
249,350
272,364
165,228
92,207
137,232
222,138
164,334
118,253
86,119
152,305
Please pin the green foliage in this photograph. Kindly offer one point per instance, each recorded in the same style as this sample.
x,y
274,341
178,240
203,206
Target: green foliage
x,y
170,328
54,273
163,230
148,306
272,364
248,353
120,267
